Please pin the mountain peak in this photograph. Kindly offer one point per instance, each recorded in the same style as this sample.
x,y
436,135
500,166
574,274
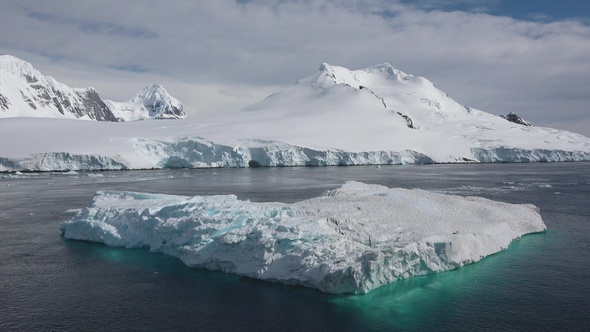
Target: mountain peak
x,y
414,100
329,74
25,92
324,66
151,91
159,103
12,65
388,70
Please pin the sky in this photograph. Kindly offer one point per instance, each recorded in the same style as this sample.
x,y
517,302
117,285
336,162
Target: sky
x,y
527,57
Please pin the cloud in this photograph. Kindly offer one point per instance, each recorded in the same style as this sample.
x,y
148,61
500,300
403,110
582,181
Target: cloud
x,y
481,6
93,26
217,55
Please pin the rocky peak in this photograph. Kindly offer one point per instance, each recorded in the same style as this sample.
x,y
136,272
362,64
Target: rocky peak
x,y
159,103
512,117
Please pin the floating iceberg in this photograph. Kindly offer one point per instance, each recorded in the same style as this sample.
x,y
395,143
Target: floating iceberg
x,y
349,240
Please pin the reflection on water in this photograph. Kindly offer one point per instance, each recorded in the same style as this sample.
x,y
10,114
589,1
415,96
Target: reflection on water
x,y
47,282
420,302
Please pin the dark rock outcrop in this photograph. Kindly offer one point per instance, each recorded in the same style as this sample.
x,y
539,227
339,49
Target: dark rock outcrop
x,y
512,117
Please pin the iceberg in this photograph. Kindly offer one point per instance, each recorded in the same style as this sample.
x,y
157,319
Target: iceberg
x,y
352,239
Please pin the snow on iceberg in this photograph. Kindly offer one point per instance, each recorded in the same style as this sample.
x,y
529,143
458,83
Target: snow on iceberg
x,y
349,240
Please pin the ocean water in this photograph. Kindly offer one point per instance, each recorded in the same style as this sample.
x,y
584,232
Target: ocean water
x,y
47,283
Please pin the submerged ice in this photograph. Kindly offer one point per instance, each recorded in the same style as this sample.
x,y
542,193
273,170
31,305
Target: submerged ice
x,y
348,240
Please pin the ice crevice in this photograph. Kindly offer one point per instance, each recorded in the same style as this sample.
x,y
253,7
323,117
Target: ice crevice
x,y
352,239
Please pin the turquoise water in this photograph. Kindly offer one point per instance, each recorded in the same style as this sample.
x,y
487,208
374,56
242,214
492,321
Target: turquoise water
x,y
540,283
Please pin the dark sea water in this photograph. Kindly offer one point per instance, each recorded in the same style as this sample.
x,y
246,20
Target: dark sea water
x,y
47,283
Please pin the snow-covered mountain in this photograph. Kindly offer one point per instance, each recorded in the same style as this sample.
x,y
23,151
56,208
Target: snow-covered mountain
x,y
381,108
153,102
25,92
377,115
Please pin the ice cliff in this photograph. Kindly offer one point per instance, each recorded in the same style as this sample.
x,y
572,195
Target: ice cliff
x,y
349,240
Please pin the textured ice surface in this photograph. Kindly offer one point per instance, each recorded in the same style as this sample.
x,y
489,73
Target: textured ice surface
x,y
349,240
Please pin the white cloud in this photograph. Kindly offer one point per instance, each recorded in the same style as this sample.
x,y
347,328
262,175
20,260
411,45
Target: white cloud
x,y
216,55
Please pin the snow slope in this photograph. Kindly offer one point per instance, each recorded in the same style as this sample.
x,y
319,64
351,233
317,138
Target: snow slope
x,y
25,92
377,115
349,240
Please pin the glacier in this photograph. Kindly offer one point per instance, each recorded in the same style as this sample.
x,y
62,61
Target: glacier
x,y
352,239
373,116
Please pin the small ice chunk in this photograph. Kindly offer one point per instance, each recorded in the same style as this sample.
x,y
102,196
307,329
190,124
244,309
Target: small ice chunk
x,y
95,175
